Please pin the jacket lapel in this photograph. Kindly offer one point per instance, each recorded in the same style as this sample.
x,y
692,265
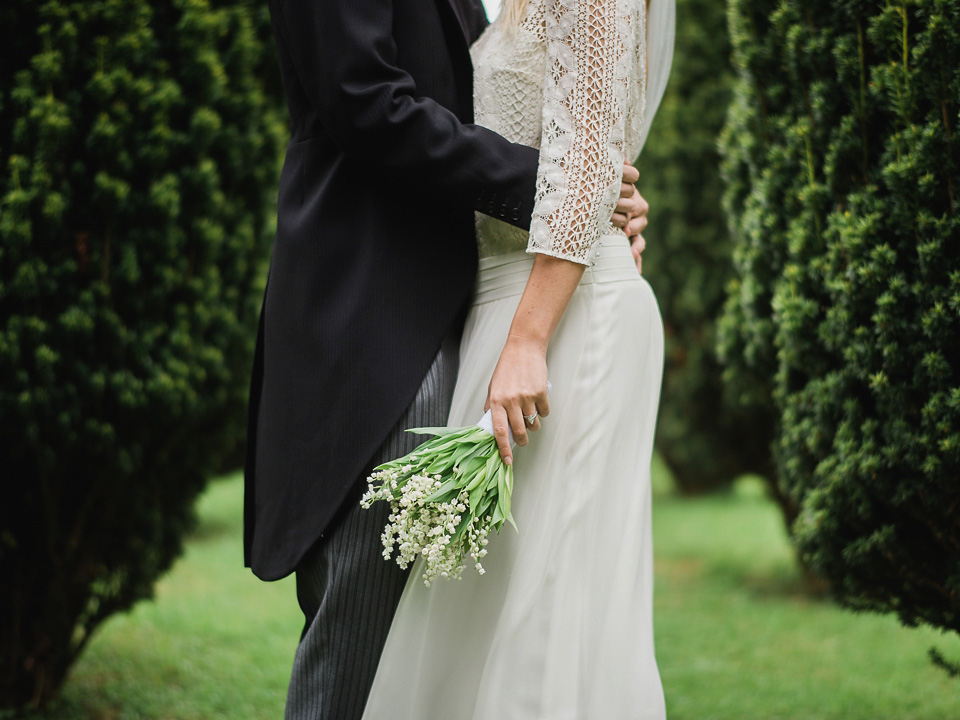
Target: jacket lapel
x,y
458,37
453,8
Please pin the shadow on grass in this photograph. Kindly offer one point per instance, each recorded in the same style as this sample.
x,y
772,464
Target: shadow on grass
x,y
209,530
760,584
779,586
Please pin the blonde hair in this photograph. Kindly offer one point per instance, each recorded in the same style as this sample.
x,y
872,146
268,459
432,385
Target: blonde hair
x,y
512,11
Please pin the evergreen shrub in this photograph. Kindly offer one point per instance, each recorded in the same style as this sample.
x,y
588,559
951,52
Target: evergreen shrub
x,y
705,439
139,149
843,169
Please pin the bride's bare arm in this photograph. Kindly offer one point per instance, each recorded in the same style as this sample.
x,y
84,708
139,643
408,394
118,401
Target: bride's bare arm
x,y
519,384
586,92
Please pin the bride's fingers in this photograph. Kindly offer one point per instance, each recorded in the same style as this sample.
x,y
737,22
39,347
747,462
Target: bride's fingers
x,y
535,424
518,424
500,433
543,406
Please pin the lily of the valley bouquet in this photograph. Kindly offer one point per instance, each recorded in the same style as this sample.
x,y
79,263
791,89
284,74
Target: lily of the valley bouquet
x,y
445,498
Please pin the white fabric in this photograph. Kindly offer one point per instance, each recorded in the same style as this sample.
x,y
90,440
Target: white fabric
x,y
661,31
560,625
571,80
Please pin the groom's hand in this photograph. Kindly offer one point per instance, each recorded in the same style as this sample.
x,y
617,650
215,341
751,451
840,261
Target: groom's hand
x,y
627,205
638,245
636,225
630,213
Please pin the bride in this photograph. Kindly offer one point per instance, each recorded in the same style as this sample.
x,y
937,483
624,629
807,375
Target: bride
x,y
560,626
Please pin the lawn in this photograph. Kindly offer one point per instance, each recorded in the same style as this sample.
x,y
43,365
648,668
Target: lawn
x,y
737,639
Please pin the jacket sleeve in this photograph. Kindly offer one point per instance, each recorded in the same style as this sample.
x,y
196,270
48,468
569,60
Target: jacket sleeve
x,y
345,58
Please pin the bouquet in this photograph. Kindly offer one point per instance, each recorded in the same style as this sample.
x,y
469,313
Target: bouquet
x,y
445,497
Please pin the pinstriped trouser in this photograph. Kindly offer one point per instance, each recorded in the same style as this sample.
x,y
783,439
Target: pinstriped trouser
x,y
347,591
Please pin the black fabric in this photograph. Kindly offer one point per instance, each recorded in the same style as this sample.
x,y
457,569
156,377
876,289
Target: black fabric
x,y
347,591
375,253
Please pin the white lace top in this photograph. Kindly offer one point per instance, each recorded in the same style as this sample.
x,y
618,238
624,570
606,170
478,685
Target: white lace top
x,y
570,81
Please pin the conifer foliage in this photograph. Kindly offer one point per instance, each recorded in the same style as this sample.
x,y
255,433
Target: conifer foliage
x,y
139,148
705,439
842,163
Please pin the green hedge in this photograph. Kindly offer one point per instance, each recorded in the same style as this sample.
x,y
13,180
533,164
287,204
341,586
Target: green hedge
x,y
843,168
705,439
139,150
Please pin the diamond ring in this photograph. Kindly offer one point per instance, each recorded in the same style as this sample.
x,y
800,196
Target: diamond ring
x,y
531,417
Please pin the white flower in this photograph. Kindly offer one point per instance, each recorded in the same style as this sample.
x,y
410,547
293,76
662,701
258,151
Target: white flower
x,y
443,531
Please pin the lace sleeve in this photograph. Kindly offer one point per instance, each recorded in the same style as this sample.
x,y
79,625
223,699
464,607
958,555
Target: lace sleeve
x,y
590,48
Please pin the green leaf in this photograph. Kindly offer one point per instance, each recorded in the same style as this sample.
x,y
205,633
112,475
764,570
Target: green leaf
x,y
476,495
503,500
471,468
485,503
490,469
445,492
438,431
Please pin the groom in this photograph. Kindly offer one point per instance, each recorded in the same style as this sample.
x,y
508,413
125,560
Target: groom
x,y
372,267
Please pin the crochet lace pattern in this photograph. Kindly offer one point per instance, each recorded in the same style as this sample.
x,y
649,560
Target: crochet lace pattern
x,y
570,79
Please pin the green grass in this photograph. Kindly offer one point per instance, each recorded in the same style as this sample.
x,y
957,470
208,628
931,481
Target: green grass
x,y
216,643
736,637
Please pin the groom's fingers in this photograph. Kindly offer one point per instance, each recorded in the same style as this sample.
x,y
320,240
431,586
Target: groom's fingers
x,y
630,173
629,204
636,226
637,246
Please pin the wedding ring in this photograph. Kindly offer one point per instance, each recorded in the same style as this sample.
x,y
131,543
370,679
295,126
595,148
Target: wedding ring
x,y
531,417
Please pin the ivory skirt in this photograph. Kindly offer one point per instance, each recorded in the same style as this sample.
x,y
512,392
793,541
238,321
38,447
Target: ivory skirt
x,y
560,625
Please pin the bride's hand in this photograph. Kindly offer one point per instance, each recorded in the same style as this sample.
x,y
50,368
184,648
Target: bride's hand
x,y
518,388
519,384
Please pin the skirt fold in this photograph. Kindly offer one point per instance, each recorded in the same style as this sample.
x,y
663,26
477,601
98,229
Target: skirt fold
x,y
560,625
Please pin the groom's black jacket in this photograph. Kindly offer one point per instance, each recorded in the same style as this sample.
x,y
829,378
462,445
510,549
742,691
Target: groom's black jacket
x,y
375,253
